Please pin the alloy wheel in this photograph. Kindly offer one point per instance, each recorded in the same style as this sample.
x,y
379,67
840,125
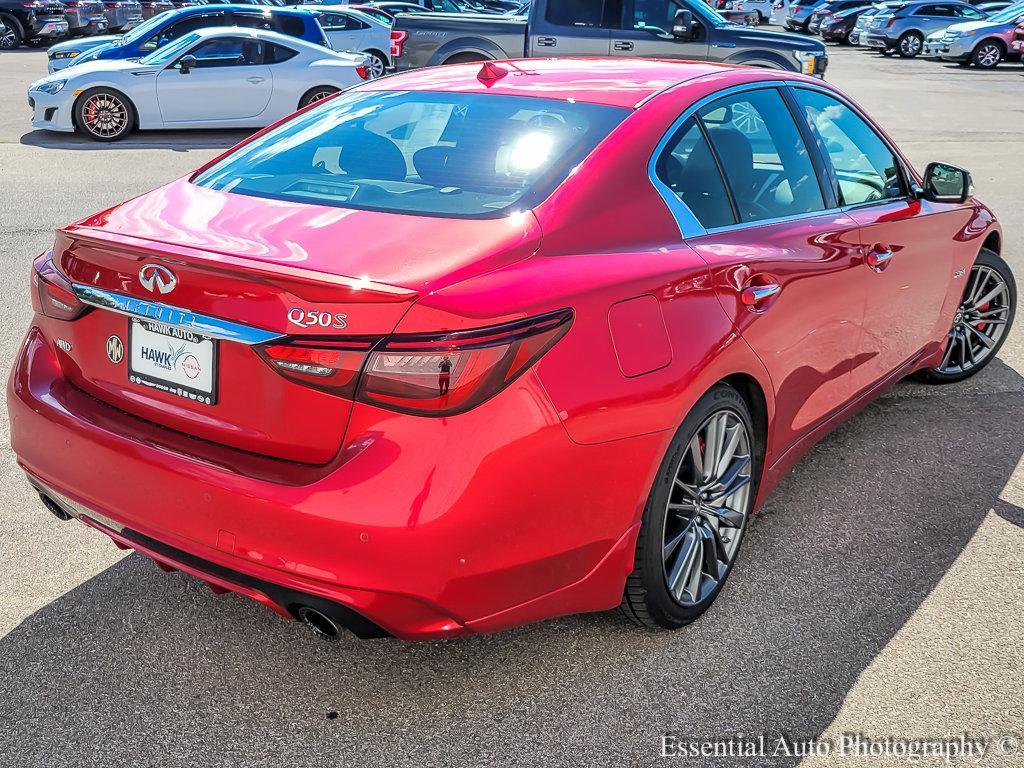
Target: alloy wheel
x,y
707,508
8,39
988,55
979,323
105,115
910,45
376,67
319,96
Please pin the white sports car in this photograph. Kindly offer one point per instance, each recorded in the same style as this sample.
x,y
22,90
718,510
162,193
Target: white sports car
x,y
219,77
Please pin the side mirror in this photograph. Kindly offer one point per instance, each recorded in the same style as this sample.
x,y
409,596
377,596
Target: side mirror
x,y
944,183
682,25
185,63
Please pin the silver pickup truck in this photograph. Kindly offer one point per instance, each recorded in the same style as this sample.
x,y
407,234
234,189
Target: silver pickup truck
x,y
676,29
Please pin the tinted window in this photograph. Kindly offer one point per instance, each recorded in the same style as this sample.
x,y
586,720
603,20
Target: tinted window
x,y
251,20
443,154
339,22
228,52
182,28
689,169
584,13
764,158
966,12
289,25
655,16
866,168
936,10
278,53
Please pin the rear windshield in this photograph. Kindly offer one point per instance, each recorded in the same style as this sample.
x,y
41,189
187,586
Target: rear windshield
x,y
429,153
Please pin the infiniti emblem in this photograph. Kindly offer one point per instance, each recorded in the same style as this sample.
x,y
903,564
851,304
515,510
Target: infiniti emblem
x,y
115,349
156,278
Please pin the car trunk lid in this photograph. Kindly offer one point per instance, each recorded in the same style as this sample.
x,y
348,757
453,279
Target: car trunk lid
x,y
181,265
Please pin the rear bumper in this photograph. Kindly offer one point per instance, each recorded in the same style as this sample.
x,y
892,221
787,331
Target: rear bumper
x,y
428,528
878,40
49,28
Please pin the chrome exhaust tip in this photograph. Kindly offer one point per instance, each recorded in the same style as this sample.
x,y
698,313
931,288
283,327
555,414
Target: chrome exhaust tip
x,y
55,509
322,625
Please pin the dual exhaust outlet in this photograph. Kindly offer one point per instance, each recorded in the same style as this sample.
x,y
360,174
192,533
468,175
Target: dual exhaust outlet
x,y
321,624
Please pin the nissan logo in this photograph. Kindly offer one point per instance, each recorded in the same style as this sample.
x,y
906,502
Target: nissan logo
x,y
157,279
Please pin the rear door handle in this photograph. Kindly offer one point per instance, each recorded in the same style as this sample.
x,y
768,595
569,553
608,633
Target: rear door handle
x,y
755,296
878,260
623,45
547,42
255,80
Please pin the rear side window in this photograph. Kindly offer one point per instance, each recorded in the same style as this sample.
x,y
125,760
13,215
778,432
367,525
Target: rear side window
x,y
936,10
439,154
866,169
689,168
293,26
764,158
752,141
585,13
278,53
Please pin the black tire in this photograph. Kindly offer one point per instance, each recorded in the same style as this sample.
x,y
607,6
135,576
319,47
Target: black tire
x,y
314,95
646,599
993,261
887,52
910,45
379,65
13,37
123,113
988,54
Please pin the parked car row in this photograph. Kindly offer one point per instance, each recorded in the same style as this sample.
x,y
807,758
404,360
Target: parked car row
x,y
342,28
967,33
40,22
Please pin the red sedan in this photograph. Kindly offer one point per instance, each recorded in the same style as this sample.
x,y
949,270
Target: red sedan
x,y
480,345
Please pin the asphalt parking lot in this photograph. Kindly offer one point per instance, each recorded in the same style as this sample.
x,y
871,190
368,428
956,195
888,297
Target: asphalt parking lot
x,y
880,590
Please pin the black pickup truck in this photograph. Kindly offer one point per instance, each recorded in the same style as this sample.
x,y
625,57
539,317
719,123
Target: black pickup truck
x,y
674,29
31,21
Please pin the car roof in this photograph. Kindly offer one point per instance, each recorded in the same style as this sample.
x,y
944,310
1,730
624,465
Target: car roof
x,y
616,82
261,34
192,10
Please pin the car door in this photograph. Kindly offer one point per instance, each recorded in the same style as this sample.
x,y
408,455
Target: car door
x,y
908,253
784,260
229,82
573,27
647,31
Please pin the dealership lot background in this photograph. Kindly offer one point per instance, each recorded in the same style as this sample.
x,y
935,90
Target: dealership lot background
x,y
880,592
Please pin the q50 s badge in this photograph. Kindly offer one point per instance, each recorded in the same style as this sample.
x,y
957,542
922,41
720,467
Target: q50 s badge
x,y
312,318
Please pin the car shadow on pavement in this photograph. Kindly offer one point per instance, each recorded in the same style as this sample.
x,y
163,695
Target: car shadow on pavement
x,y
138,666
179,141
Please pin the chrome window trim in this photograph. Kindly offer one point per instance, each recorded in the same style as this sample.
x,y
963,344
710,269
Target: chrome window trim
x,y
176,317
690,227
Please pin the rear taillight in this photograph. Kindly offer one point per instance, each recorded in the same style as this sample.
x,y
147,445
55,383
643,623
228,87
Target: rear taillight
x,y
422,374
329,366
889,24
363,72
56,296
444,374
398,38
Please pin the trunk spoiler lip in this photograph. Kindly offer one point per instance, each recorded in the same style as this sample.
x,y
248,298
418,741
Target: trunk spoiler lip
x,y
357,289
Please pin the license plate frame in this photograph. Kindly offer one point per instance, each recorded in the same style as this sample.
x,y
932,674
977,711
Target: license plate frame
x,y
181,354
